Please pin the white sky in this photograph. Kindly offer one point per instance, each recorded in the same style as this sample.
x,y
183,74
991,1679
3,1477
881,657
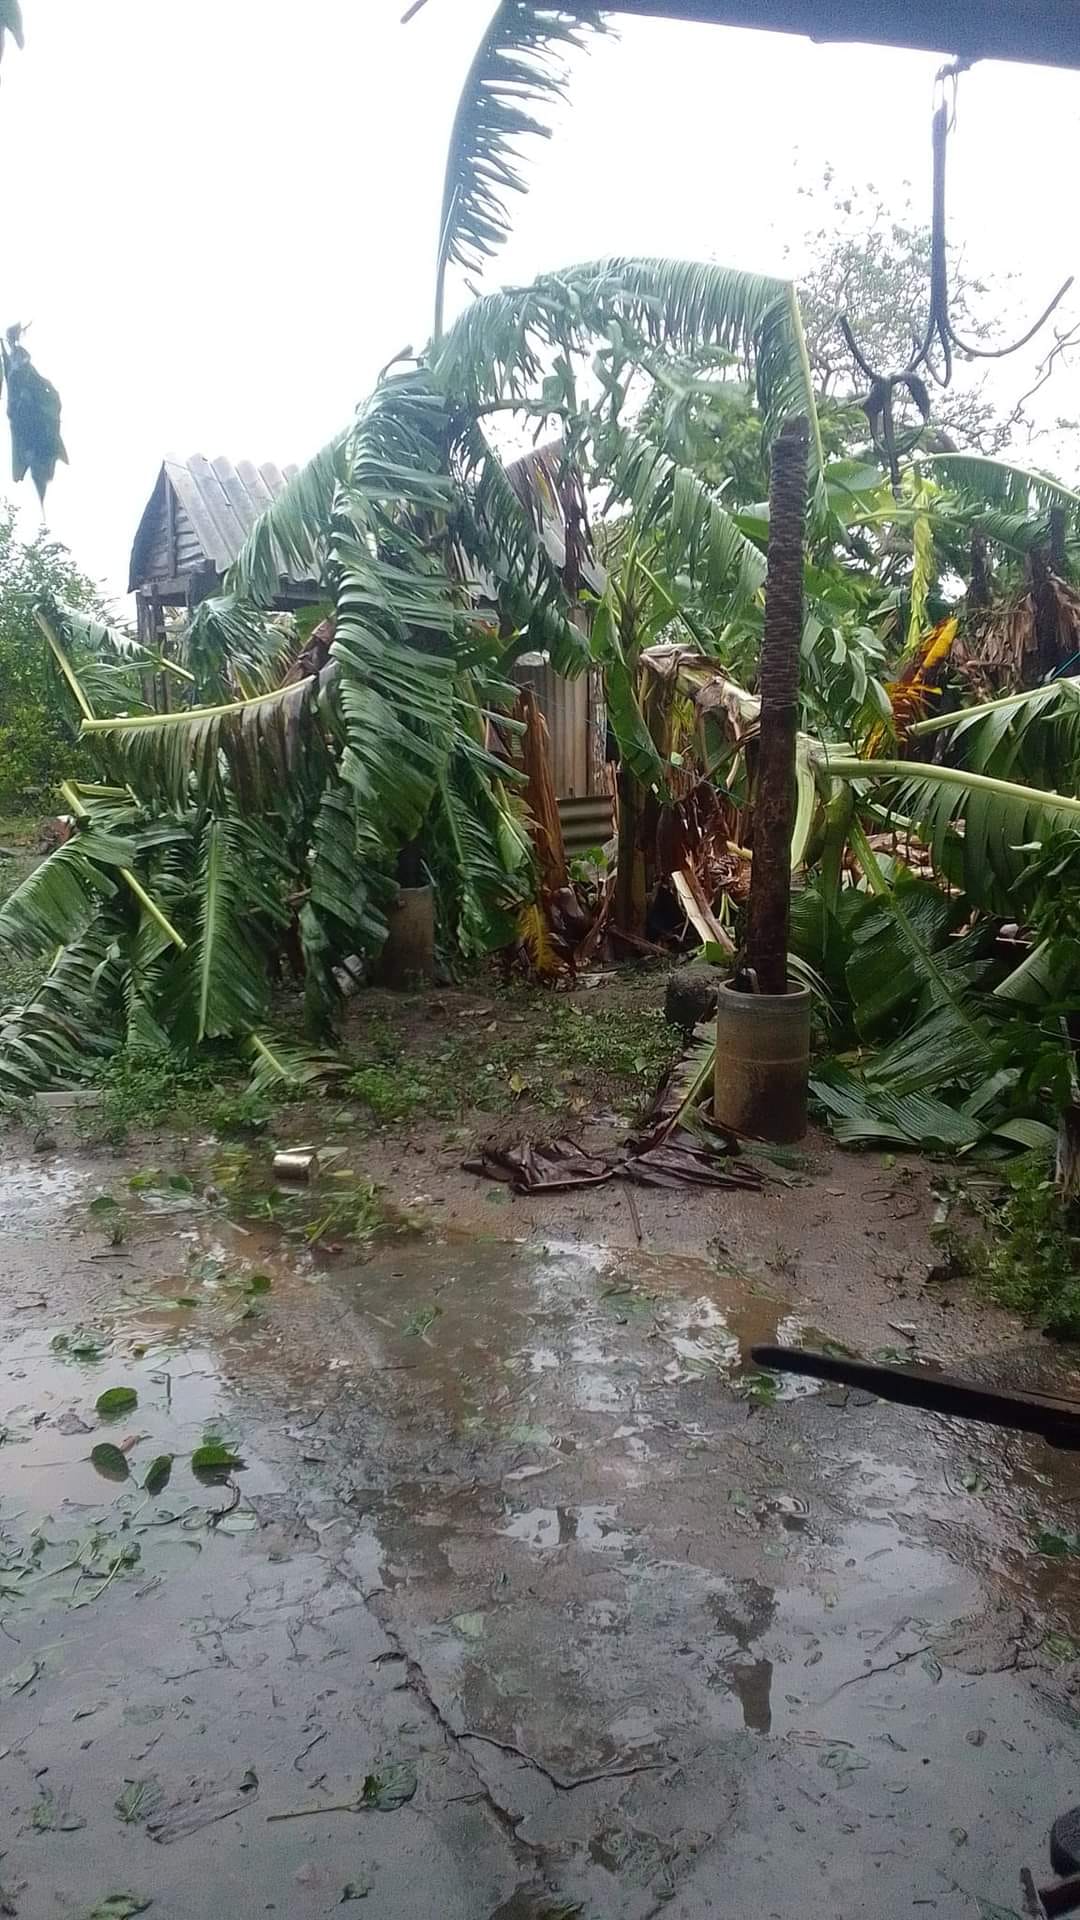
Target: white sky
x,y
220,214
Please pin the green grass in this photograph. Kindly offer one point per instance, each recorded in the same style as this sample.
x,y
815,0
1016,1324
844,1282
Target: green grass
x,y
616,1052
633,1046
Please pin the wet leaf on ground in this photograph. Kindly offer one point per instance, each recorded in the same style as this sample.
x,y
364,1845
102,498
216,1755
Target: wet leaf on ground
x,y
158,1473
356,1889
53,1813
119,1906
524,1435
531,1903
844,1763
202,1808
116,1401
1057,1544
109,1461
69,1423
419,1322
142,1715
760,1387
242,1521
973,1481
20,1677
628,1301
469,1625
216,1458
78,1345
104,1204
258,1283
139,1799
143,1182
386,1791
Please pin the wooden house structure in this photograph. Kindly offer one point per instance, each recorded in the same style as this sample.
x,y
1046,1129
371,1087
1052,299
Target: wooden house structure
x,y
199,515
192,528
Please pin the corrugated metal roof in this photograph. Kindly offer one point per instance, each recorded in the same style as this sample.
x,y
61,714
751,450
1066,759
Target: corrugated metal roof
x,y
222,502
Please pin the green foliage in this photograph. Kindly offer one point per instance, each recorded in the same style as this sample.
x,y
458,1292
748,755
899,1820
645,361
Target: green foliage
x,y
517,69
33,407
392,1093
36,737
619,1043
233,1114
1029,1259
147,1090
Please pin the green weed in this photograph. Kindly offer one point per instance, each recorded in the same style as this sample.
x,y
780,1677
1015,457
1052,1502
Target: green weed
x,y
392,1093
231,1114
1030,1257
635,1046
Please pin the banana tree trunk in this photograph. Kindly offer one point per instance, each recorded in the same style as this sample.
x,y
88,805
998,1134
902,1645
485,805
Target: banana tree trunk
x,y
774,801
631,885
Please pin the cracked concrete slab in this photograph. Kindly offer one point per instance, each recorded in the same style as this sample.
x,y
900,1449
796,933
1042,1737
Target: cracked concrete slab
x,y
513,1516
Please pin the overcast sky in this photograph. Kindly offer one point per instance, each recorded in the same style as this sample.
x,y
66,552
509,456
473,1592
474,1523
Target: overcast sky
x,y
220,214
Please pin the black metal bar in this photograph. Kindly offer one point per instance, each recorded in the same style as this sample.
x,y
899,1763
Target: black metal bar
x,y
1056,1423
1046,31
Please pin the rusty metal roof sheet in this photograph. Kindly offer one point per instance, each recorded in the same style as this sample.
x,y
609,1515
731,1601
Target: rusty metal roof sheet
x,y
222,502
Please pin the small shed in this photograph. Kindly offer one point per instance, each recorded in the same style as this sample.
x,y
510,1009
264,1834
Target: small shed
x,y
192,528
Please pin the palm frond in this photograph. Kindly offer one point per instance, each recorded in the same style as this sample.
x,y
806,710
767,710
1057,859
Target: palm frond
x,y
700,538
999,484
999,821
233,648
223,986
169,757
57,900
33,407
498,530
397,607
518,69
293,535
352,889
11,22
70,1022
1036,732
481,860
499,351
277,1064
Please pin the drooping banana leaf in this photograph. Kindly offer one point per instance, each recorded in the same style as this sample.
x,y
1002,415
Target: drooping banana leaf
x,y
71,1022
518,70
58,899
173,758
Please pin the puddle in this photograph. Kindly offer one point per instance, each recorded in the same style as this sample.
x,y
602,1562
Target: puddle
x,y
594,1527
31,1189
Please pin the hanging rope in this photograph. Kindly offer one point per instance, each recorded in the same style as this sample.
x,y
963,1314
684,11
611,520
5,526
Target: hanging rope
x,y
940,335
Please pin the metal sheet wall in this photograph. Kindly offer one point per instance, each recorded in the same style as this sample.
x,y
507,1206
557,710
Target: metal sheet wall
x,y
574,711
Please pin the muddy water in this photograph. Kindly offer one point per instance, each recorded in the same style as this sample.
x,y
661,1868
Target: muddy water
x,y
512,1514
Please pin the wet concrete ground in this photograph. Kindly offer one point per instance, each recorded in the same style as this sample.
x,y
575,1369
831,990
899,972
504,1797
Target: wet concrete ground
x,y
522,1584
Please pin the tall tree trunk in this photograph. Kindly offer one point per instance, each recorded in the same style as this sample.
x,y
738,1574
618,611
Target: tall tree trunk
x,y
978,592
1049,650
774,801
1058,557
631,900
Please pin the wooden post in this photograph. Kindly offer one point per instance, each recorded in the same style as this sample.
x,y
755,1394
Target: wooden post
x,y
774,799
